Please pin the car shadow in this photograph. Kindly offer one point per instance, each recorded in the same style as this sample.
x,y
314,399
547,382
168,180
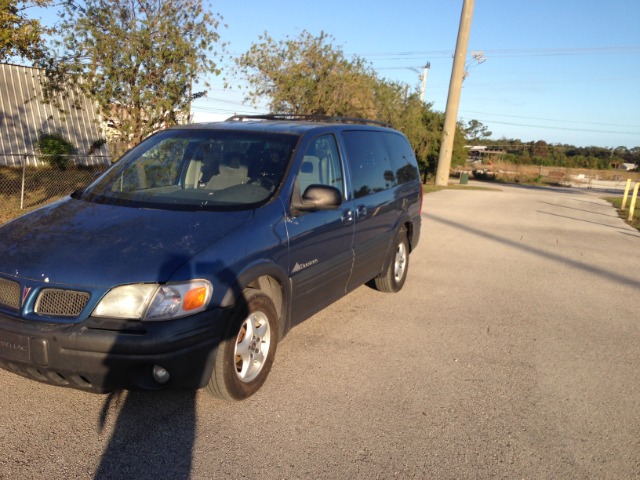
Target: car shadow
x,y
584,266
584,221
580,209
153,431
153,435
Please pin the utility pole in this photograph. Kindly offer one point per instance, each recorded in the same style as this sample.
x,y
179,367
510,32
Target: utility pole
x,y
453,99
424,80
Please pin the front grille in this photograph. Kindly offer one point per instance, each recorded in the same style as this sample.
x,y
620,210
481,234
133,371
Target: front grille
x,y
9,294
61,303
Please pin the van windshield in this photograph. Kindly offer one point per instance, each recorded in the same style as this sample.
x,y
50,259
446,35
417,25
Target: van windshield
x,y
197,169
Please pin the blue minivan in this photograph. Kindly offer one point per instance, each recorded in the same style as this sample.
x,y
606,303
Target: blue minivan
x,y
192,256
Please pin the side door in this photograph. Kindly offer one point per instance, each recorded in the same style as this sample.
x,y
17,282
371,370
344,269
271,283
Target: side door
x,y
375,205
320,255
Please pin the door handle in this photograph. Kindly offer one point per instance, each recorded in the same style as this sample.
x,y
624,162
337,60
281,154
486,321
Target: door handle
x,y
361,212
347,216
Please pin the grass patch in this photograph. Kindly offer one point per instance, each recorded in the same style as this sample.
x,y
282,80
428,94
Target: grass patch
x,y
431,188
624,214
42,185
553,176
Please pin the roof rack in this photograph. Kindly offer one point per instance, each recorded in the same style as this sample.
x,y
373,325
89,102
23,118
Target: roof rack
x,y
308,118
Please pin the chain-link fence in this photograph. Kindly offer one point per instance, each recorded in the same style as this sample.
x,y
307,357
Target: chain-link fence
x,y
27,182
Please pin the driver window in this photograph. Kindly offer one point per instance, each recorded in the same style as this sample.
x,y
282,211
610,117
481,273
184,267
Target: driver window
x,y
321,165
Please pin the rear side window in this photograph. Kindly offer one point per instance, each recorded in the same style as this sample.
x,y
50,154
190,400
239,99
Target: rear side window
x,y
403,160
369,162
379,160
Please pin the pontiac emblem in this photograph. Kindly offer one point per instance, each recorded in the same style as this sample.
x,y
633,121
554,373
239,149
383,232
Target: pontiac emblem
x,y
25,292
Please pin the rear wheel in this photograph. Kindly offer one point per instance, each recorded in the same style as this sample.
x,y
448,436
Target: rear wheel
x,y
393,278
244,357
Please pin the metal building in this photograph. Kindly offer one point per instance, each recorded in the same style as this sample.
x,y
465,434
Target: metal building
x,y
23,114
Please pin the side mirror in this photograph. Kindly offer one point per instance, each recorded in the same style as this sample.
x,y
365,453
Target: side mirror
x,y
77,193
318,197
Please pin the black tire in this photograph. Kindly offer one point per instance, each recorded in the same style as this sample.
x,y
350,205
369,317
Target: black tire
x,y
393,278
242,364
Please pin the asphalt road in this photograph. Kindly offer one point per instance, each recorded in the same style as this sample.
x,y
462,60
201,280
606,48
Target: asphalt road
x,y
512,352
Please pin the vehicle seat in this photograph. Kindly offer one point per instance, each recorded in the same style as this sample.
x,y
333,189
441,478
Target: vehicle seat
x,y
233,170
194,173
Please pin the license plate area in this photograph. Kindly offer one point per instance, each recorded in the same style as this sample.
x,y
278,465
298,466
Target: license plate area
x,y
14,347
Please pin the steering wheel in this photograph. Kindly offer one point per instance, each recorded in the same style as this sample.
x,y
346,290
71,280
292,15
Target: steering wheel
x,y
264,181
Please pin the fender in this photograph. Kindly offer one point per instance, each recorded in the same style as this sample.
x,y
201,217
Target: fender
x,y
404,221
255,275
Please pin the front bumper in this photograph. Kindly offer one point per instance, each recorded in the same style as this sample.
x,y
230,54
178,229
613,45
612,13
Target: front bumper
x,y
102,355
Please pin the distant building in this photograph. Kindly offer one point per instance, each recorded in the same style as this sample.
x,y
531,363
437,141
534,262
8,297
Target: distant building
x,y
23,114
624,166
483,154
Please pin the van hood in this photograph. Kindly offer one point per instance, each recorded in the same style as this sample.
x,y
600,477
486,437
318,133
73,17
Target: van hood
x,y
75,242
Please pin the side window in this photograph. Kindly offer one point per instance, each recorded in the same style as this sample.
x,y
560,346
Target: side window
x,y
403,159
369,162
321,165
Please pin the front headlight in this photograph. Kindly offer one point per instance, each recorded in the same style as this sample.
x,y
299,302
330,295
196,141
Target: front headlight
x,y
148,301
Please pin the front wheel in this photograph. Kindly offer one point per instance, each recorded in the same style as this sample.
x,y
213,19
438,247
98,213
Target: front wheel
x,y
244,357
393,278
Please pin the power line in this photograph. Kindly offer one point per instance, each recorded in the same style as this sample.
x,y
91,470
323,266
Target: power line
x,y
554,119
511,52
520,52
549,127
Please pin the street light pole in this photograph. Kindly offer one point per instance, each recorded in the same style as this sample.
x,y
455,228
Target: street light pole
x,y
453,99
424,80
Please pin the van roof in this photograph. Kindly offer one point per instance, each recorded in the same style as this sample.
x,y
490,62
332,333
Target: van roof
x,y
291,124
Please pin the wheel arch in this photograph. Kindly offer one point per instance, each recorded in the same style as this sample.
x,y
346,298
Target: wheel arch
x,y
270,279
409,228
403,223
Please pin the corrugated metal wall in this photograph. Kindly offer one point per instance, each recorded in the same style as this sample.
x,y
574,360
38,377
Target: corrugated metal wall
x,y
23,114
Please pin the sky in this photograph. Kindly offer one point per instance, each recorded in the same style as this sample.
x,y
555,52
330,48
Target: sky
x,y
566,72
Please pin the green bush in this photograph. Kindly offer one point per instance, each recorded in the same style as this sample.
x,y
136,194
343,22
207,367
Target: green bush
x,y
55,149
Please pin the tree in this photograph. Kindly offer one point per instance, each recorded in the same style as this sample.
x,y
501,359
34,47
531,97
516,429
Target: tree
x,y
476,131
19,35
405,112
434,122
634,156
138,59
540,149
307,75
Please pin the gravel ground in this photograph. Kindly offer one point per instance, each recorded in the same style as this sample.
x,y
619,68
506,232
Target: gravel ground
x,y
511,352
